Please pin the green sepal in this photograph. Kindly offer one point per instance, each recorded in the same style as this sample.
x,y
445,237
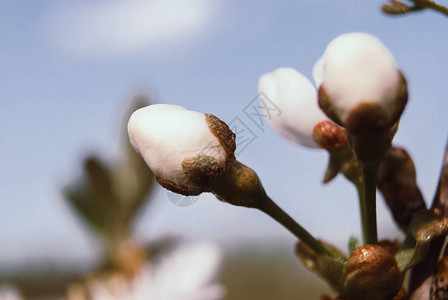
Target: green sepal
x,y
425,226
330,268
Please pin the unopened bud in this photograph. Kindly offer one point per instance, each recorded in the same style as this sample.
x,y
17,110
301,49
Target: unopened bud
x,y
372,273
186,150
296,98
329,135
361,87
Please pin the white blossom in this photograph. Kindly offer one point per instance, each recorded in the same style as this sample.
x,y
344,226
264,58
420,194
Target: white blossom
x,y
358,68
186,273
8,292
296,98
166,135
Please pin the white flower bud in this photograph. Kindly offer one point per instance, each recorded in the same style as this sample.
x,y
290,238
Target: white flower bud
x,y
185,149
296,98
359,73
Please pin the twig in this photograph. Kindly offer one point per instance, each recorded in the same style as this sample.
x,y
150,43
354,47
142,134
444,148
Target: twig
x,y
399,8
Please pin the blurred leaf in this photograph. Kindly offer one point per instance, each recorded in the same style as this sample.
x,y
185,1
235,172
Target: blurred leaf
x,y
92,198
108,198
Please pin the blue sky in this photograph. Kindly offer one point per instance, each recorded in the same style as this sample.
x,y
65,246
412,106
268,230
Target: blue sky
x,y
68,69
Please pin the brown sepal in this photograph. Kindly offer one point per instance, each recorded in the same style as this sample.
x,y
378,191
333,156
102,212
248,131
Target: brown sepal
x,y
202,169
401,99
365,118
396,180
180,188
327,106
369,117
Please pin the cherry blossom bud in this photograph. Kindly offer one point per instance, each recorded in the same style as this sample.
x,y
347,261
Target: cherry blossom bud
x,y
296,98
186,150
371,272
361,87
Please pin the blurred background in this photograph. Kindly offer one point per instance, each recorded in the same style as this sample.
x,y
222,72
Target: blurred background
x,y
71,71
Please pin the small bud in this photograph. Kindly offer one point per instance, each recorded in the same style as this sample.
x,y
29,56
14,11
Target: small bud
x,y
333,138
186,150
362,88
296,98
328,135
371,272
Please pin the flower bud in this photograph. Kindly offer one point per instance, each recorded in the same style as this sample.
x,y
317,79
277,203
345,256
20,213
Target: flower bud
x,y
362,88
186,150
329,136
371,272
296,98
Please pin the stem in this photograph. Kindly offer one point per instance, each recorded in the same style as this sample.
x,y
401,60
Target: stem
x,y
368,205
362,208
274,211
431,4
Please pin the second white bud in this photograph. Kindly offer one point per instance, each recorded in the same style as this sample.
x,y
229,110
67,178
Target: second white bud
x,y
296,98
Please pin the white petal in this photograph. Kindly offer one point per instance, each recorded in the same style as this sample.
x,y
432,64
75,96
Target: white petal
x,y
187,274
359,68
318,71
167,134
296,98
9,293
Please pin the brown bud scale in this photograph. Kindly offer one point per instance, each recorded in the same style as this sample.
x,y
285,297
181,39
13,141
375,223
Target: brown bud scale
x,y
180,188
224,135
327,106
